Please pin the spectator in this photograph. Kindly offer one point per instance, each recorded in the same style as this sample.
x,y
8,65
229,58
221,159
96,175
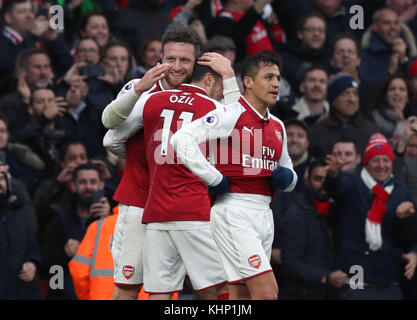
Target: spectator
x,y
140,20
297,143
23,30
117,63
82,120
337,17
188,17
39,133
58,189
386,49
345,119
223,45
346,150
88,49
308,243
69,224
406,11
94,24
345,55
20,257
312,106
308,50
34,71
242,21
391,106
23,163
373,201
149,54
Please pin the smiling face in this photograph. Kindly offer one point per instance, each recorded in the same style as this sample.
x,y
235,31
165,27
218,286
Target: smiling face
x,y
397,94
98,29
379,167
297,141
387,26
181,58
262,90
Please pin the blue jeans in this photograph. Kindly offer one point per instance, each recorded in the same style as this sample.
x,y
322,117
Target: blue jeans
x,y
370,292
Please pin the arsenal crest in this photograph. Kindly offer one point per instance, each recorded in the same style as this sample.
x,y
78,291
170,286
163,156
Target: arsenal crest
x,y
279,135
128,271
254,261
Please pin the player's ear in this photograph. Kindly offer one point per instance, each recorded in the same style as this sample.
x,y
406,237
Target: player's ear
x,y
247,82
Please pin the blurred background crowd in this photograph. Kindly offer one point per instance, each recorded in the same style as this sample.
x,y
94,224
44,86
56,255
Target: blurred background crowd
x,y
344,77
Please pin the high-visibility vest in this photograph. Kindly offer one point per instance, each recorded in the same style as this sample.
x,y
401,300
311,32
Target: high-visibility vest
x,y
92,266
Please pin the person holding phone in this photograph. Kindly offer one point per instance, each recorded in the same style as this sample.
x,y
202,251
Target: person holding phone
x,y
67,228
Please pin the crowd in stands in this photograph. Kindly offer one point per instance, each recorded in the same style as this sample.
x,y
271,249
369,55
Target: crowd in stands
x,y
341,89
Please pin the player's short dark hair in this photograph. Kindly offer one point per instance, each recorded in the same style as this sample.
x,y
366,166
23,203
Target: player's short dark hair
x,y
185,35
87,166
200,71
9,5
252,64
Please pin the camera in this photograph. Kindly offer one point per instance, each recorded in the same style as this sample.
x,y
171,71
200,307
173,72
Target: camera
x,y
97,195
92,70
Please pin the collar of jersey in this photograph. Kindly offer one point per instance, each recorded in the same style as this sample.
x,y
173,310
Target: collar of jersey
x,y
253,111
192,88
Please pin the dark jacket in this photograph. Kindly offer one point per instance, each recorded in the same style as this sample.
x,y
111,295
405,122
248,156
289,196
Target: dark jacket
x,y
65,225
296,59
18,244
354,200
324,134
375,59
307,249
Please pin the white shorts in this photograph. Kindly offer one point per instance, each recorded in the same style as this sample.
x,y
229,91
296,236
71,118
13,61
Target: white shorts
x,y
243,228
127,246
171,254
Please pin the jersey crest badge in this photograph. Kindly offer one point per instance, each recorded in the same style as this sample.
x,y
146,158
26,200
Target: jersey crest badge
x,y
254,261
128,271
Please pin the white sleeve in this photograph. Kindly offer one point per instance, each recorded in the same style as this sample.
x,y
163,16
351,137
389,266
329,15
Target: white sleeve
x,y
285,161
231,91
118,110
115,139
217,124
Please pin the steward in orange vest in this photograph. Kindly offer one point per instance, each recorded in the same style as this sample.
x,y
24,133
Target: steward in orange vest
x,y
92,266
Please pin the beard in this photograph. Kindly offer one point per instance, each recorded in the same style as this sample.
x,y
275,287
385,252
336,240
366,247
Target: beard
x,y
84,201
43,82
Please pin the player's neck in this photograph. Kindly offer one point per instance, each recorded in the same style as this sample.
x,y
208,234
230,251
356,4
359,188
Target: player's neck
x,y
256,103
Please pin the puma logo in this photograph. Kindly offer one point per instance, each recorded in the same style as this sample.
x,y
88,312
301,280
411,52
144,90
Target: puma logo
x,y
247,129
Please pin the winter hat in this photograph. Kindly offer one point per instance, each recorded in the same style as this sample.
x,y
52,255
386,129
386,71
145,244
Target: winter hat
x,y
338,84
377,145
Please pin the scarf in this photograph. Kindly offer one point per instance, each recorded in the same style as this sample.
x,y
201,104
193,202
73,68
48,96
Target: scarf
x,y
376,213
